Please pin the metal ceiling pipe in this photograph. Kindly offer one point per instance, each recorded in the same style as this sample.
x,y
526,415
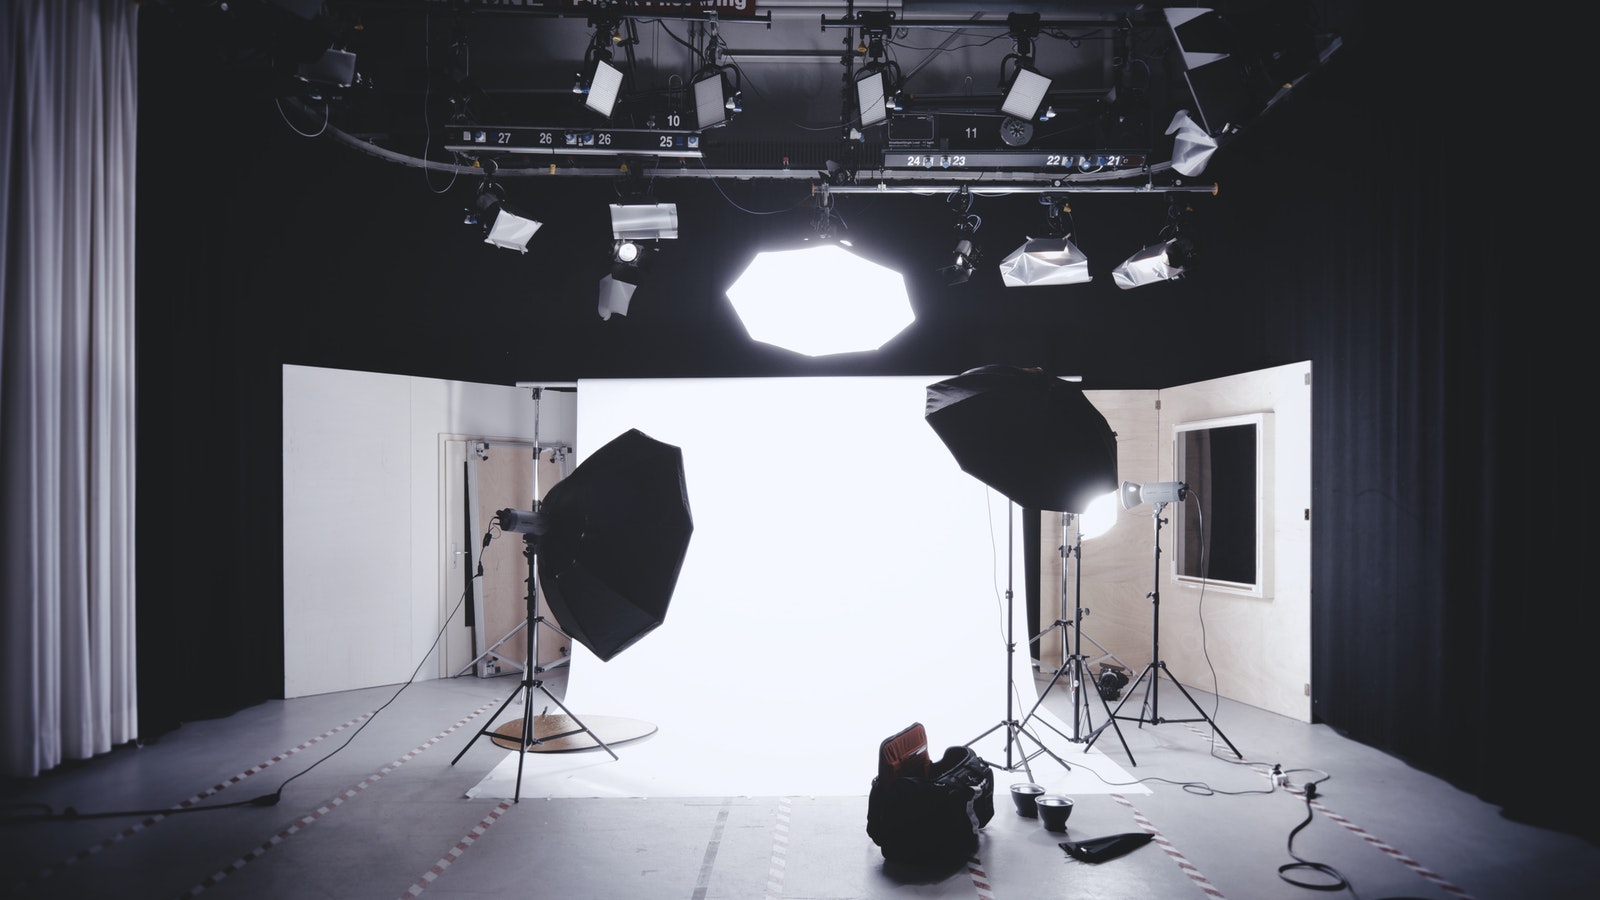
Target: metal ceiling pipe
x,y
1053,188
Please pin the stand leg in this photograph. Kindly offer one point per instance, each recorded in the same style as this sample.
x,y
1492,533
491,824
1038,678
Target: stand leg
x,y
530,683
1152,703
1074,662
1080,677
528,739
505,703
494,650
1104,655
1014,729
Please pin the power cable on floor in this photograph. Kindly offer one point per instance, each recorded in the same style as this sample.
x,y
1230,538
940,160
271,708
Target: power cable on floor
x,y
70,814
1337,881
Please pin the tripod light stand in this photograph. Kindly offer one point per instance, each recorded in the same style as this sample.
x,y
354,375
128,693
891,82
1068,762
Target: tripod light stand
x,y
609,542
1160,494
532,525
1015,754
1039,441
1074,665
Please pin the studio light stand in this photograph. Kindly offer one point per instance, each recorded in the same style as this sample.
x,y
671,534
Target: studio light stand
x,y
1151,712
1016,755
1074,665
532,527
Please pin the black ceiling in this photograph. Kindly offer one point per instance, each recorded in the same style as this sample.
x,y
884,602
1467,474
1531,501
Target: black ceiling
x,y
337,224
465,82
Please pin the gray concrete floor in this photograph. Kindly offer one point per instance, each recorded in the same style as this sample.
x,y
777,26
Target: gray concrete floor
x,y
386,817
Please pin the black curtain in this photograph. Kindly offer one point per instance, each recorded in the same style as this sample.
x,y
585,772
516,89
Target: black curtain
x,y
1030,577
1442,625
209,468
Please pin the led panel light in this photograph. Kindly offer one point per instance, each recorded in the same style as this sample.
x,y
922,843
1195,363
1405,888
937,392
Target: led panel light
x,y
603,88
1026,94
870,99
710,101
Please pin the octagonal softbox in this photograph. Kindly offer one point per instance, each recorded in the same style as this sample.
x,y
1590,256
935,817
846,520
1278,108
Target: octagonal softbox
x,y
617,532
1027,434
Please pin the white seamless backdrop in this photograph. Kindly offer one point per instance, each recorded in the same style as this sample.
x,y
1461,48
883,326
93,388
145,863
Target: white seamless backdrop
x,y
845,578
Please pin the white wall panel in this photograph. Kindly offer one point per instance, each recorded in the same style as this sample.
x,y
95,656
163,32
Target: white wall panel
x,y
361,515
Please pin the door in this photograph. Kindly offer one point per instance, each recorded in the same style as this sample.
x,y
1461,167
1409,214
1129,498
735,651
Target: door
x,y
487,577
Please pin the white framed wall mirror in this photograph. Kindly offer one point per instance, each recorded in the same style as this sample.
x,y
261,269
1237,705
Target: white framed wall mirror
x,y
1224,523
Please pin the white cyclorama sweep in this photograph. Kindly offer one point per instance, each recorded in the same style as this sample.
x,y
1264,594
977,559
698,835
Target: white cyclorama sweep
x,y
845,578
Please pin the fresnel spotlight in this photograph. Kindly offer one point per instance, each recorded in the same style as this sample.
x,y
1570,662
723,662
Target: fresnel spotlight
x,y
500,225
635,227
1165,260
628,260
1047,260
965,256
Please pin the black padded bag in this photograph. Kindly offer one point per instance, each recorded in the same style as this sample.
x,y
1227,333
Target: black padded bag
x,y
932,819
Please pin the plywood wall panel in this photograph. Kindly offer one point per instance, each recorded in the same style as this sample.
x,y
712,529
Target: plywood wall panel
x,y
1117,565
1252,649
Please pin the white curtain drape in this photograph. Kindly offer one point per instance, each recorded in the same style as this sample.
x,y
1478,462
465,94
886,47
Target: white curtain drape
x,y
68,77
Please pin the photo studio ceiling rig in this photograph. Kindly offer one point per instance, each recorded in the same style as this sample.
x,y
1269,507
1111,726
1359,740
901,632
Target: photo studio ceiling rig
x,y
1114,96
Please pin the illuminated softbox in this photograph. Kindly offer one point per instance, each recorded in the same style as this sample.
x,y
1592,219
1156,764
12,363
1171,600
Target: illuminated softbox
x,y
820,300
